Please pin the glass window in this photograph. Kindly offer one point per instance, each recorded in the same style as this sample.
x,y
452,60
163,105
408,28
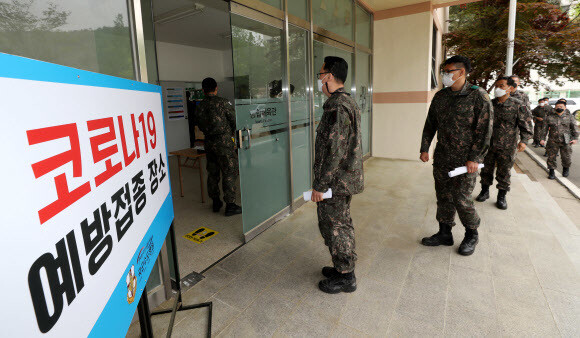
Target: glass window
x,y
363,96
300,110
298,8
85,34
274,3
149,35
334,16
363,27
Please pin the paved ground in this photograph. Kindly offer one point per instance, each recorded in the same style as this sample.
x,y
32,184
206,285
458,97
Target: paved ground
x,y
523,279
574,170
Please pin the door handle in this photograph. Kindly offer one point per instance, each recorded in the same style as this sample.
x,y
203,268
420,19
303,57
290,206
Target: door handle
x,y
240,138
249,138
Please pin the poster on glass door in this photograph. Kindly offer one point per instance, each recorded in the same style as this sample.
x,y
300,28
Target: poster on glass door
x,y
86,201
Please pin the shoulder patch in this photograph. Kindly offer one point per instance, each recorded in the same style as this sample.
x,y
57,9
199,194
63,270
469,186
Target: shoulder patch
x,y
474,87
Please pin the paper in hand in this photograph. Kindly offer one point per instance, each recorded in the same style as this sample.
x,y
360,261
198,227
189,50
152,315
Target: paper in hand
x,y
308,195
462,170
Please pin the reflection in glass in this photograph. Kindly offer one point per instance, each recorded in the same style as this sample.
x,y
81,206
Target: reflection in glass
x,y
363,96
363,27
86,34
334,16
298,8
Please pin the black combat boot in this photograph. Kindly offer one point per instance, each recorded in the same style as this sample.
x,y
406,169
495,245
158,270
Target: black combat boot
x,y
467,246
484,194
217,205
341,282
233,209
552,175
443,237
501,201
329,271
536,144
566,172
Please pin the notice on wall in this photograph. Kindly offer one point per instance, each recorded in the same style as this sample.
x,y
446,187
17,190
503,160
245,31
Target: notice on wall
x,y
86,201
175,103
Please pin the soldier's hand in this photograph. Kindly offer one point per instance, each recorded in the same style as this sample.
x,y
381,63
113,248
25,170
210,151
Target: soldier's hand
x,y
540,119
316,196
521,147
542,142
424,157
472,167
574,142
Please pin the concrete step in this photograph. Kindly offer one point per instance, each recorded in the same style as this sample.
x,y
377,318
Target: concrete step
x,y
554,218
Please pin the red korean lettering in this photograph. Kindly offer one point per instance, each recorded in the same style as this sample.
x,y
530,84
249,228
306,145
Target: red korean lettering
x,y
65,197
104,154
128,158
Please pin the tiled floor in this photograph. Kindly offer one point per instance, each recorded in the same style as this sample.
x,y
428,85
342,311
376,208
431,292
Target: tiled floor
x,y
191,214
523,279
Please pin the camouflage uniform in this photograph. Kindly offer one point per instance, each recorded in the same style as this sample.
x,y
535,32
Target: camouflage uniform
x,y
540,112
463,122
522,96
560,129
338,164
508,118
217,120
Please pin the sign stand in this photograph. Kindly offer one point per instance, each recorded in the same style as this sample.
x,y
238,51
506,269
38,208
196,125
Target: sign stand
x,y
143,306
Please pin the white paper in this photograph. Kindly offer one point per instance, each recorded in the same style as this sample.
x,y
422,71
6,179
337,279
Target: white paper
x,y
462,170
308,195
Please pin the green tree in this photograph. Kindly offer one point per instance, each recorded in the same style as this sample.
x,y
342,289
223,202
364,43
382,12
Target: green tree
x,y
547,40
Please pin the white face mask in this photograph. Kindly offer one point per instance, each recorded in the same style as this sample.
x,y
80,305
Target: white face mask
x,y
448,79
320,84
500,92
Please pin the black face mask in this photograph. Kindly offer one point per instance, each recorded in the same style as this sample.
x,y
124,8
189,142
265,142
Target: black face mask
x,y
559,110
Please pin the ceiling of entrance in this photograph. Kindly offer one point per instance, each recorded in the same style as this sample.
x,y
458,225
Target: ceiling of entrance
x,y
379,5
208,29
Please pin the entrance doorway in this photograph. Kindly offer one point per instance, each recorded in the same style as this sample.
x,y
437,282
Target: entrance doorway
x,y
193,41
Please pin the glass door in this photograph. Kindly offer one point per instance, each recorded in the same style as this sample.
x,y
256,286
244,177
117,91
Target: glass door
x,y
363,97
298,40
262,119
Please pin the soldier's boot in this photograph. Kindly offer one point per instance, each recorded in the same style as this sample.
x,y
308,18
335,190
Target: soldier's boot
x,y
546,154
552,175
566,172
536,144
501,202
467,246
341,282
443,237
233,209
217,205
484,194
329,271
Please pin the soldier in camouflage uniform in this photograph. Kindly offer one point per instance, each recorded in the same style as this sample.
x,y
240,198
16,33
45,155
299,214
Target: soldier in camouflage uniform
x,y
521,95
461,115
216,118
338,165
510,119
562,134
539,114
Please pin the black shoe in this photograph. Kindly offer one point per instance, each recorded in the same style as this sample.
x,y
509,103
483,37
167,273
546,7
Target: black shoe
x,y
501,201
233,209
552,175
484,194
217,205
443,237
467,246
329,272
546,154
566,172
536,145
339,283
